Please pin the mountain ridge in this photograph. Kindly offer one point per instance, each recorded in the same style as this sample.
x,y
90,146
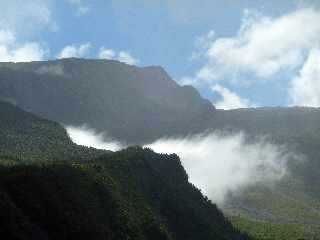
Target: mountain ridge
x,y
112,97
50,191
139,105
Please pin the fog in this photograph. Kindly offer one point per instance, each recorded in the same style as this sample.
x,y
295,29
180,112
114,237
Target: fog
x,y
216,163
221,164
88,137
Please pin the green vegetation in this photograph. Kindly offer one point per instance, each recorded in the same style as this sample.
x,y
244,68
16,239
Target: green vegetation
x,y
282,203
282,212
120,196
27,137
47,192
263,230
139,105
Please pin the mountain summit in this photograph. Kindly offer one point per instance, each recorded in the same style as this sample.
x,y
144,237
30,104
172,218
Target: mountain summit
x,y
128,103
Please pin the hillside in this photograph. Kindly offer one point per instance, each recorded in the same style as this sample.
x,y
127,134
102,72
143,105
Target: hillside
x,y
131,194
129,103
138,105
25,136
280,122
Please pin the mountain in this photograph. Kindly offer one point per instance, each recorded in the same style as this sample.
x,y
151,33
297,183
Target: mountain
x,y
52,189
138,105
280,122
129,103
135,105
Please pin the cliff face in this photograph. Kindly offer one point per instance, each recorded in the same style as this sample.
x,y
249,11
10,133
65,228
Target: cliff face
x,y
129,103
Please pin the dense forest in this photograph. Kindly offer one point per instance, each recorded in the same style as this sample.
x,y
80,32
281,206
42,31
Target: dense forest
x,y
51,188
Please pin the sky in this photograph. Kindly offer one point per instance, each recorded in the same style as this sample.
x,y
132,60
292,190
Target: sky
x,y
237,53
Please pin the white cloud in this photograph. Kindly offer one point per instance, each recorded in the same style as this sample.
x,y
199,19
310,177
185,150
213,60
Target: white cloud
x,y
19,19
264,46
216,163
107,53
230,100
80,7
11,51
122,56
219,164
126,57
305,88
74,51
85,136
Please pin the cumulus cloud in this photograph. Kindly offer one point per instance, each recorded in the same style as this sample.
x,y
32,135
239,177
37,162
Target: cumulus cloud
x,y
220,165
75,51
264,50
230,100
11,51
264,46
305,88
122,56
216,163
80,7
107,53
126,57
17,21
85,136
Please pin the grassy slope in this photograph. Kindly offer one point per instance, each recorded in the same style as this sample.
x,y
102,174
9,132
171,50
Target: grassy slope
x,y
264,230
284,212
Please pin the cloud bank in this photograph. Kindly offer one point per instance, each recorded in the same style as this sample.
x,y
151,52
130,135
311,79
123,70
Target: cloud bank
x,y
217,164
88,137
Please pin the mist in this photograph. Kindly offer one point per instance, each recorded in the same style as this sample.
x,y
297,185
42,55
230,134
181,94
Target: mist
x,y
218,164
88,137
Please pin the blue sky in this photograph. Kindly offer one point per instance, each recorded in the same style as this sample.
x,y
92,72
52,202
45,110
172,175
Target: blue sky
x,y
237,53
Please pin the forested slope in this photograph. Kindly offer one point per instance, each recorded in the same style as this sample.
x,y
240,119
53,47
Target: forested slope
x,y
91,194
